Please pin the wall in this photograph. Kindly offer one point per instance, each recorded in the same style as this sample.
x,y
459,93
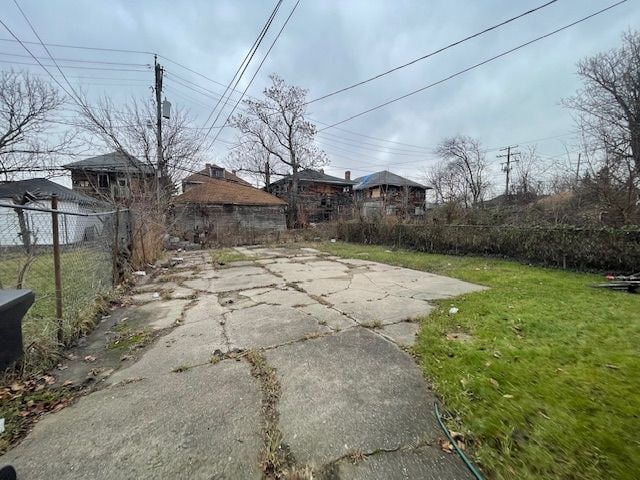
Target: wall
x,y
217,220
73,228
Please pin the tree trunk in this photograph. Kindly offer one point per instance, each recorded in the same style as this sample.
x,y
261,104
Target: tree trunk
x,y
267,177
293,203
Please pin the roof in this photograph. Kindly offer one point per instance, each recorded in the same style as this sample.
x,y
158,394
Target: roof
x,y
42,189
111,162
203,176
220,192
385,178
314,176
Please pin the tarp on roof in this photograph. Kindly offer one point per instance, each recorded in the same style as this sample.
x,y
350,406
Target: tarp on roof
x,y
385,178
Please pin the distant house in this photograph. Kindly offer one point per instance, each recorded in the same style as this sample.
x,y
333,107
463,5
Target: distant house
x,y
321,197
387,193
114,176
211,172
217,208
37,225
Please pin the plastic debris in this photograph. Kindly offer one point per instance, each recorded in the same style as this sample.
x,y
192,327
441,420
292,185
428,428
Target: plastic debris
x,y
453,310
333,240
1,425
140,273
156,295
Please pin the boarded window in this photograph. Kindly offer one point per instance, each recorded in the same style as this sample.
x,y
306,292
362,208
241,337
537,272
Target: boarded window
x,y
103,180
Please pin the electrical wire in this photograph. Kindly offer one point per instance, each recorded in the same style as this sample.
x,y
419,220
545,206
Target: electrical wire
x,y
243,66
435,52
472,67
256,72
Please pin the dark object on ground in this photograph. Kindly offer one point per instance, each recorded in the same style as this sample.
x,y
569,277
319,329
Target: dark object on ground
x,y
13,306
631,283
8,473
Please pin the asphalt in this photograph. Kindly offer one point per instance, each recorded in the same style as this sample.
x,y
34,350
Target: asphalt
x,y
351,403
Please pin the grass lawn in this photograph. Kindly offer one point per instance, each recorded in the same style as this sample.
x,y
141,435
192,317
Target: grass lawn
x,y
86,276
227,255
548,382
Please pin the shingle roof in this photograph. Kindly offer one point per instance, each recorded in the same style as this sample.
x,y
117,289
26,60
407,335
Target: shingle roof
x,y
219,192
313,176
385,178
203,176
111,162
42,189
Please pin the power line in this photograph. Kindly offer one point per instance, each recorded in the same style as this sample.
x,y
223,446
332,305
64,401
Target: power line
x,y
79,47
435,52
257,70
77,60
79,67
472,67
242,68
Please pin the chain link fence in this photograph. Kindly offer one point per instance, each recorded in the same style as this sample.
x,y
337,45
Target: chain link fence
x,y
70,257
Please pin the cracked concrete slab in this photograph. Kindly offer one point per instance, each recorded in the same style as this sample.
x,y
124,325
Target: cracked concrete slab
x,y
328,316
402,333
425,463
268,325
205,308
162,314
363,391
387,310
199,424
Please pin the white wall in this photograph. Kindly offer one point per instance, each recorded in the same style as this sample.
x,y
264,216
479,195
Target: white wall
x,y
72,227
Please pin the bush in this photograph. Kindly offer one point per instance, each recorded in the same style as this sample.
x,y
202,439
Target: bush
x,y
609,249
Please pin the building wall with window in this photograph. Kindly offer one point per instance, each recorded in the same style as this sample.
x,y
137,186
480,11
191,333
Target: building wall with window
x,y
110,185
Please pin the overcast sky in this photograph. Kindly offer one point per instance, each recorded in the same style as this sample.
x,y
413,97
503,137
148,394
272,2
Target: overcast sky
x,y
329,44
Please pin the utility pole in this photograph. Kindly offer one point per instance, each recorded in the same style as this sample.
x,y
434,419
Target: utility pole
x,y
578,169
160,173
506,166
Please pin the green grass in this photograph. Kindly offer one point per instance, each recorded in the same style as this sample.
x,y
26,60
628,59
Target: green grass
x,y
86,278
227,255
548,385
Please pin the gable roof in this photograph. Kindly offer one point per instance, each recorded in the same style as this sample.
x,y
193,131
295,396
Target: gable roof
x,y
313,176
220,192
112,162
42,189
385,177
203,176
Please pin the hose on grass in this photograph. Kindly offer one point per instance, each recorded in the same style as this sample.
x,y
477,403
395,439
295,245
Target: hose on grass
x,y
462,455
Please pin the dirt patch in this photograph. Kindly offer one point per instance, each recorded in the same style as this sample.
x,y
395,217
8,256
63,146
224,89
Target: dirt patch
x,y
463,337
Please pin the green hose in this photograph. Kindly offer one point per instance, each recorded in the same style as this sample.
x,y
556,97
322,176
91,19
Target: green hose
x,y
464,458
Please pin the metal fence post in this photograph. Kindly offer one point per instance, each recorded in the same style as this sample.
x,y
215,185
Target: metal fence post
x,y
116,248
56,265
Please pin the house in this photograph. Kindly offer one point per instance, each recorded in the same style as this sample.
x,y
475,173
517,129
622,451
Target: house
x,y
37,225
321,197
114,177
388,193
211,172
217,208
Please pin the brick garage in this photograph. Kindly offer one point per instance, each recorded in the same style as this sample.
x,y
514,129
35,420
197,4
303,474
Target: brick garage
x,y
217,211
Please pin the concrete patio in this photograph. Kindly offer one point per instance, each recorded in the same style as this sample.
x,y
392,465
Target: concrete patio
x,y
352,404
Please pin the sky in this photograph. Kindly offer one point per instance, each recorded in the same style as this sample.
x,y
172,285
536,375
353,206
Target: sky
x,y
329,44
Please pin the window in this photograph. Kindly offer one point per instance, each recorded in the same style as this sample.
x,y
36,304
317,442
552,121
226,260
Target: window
x,y
122,182
103,180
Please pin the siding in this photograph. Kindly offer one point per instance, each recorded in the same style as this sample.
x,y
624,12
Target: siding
x,y
217,219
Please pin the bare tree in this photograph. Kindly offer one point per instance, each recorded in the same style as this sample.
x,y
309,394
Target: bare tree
x,y
608,105
467,163
131,129
30,137
277,125
251,158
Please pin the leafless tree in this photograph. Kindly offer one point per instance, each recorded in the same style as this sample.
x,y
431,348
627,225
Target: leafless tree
x,y
31,134
251,158
528,174
131,129
466,162
277,125
608,105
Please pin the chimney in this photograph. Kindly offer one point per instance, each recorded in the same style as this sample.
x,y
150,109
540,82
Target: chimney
x,y
347,175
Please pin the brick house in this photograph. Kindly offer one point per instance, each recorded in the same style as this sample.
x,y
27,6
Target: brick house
x,y
113,177
322,197
211,171
390,194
